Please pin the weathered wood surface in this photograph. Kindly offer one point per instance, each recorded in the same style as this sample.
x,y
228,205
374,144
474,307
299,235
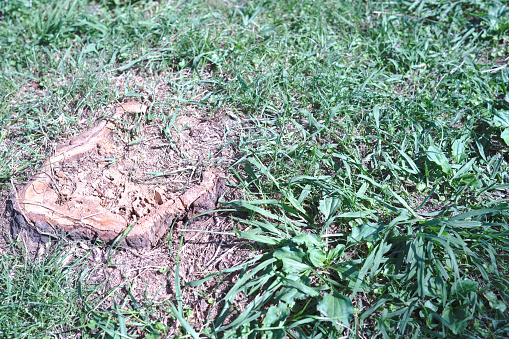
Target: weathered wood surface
x,y
36,206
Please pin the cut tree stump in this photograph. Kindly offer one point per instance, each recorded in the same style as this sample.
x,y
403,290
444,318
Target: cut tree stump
x,y
46,210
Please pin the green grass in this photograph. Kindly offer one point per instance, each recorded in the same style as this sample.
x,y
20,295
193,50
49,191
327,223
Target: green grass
x,y
374,157
40,297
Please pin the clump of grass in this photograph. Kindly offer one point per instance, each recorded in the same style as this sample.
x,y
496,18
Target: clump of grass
x,y
52,296
441,276
40,296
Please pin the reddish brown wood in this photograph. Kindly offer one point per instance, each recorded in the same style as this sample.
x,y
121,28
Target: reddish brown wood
x,y
37,201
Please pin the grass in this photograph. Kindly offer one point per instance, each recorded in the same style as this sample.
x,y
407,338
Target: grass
x,y
374,157
40,296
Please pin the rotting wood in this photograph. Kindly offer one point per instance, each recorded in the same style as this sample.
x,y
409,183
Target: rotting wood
x,y
37,204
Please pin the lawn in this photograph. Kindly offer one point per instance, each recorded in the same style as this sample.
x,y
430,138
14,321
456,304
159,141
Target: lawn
x,y
369,162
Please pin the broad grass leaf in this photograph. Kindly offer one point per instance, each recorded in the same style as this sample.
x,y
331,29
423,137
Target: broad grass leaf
x,y
456,318
251,207
178,291
310,240
480,147
337,307
501,208
302,287
336,252
228,270
292,258
464,287
350,274
262,168
333,112
98,323
276,316
464,168
290,252
252,175
505,136
434,287
380,302
383,248
362,273
403,202
259,238
317,257
463,223
288,194
244,277
358,214
183,322
263,225
250,313
365,232
304,194
289,294
376,115
438,157
446,241
501,119
328,206
431,306
458,150
121,321
293,266
414,168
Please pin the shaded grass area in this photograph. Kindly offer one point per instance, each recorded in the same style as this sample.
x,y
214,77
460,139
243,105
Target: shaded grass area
x,y
374,157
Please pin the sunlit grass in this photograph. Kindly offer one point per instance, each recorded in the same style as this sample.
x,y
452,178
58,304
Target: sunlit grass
x,y
373,158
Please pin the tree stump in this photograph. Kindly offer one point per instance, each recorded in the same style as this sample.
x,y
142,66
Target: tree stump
x,y
46,207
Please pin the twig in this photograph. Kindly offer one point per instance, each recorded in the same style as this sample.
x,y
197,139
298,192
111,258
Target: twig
x,y
133,252
205,231
189,241
493,70
397,14
223,255
215,254
145,268
446,74
52,177
199,163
